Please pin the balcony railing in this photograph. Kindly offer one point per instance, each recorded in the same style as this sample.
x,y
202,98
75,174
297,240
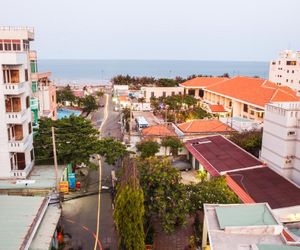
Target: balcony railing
x,y
19,146
21,174
16,117
14,88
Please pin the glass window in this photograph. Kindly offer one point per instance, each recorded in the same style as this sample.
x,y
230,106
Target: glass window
x,y
16,44
27,102
1,45
7,45
26,75
245,108
29,128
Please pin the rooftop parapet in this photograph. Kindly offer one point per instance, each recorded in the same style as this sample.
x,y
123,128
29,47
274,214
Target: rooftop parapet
x,y
22,32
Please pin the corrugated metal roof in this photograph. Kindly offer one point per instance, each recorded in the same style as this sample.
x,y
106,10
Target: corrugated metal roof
x,y
18,216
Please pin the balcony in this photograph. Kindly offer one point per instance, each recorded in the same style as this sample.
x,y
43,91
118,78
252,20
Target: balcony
x,y
17,117
20,146
14,88
21,174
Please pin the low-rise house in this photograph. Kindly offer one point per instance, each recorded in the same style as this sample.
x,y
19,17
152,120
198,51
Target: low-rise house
x,y
242,227
218,155
157,133
150,92
202,128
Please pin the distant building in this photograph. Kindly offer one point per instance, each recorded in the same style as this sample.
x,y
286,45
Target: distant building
x,y
119,90
243,97
157,92
281,139
286,69
242,227
16,140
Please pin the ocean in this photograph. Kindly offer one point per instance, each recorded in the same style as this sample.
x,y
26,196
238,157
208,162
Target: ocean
x,y
101,71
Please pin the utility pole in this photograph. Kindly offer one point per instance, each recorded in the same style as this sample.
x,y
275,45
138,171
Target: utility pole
x,y
55,159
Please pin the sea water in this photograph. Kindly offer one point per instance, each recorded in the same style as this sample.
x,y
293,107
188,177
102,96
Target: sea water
x,y
101,71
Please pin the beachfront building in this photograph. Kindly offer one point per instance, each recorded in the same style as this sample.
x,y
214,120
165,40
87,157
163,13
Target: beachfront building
x,y
286,69
151,92
241,97
281,139
16,154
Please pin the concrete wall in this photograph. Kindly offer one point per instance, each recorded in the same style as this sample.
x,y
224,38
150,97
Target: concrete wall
x,y
158,91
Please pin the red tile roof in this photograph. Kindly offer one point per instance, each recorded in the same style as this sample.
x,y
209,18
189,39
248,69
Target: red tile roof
x,y
265,185
219,155
203,81
255,91
216,108
204,126
123,98
158,130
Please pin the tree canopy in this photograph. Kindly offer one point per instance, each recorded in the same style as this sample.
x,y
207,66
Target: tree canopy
x,y
88,104
147,148
173,143
65,94
251,141
76,141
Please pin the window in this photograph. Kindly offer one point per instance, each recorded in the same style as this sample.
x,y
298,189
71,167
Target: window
x,y
245,108
273,63
52,97
16,44
31,155
292,81
291,63
252,112
288,71
291,133
179,93
7,45
27,102
152,94
25,45
173,92
26,75
293,71
230,104
1,45
164,94
287,80
29,128
279,62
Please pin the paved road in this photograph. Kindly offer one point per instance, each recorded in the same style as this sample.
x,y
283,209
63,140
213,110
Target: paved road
x,y
79,218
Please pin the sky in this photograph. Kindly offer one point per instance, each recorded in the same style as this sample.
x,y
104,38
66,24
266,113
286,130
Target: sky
x,y
235,30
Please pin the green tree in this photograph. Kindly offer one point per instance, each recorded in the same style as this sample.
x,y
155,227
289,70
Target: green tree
x,y
129,210
214,190
165,196
126,118
165,82
189,100
251,141
147,148
173,143
89,104
76,141
99,94
111,149
65,94
142,100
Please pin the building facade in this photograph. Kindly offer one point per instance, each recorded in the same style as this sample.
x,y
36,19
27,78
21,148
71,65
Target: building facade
x,y
16,140
281,139
286,69
150,92
43,100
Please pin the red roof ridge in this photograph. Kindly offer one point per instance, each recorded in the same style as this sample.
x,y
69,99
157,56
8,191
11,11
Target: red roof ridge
x,y
224,80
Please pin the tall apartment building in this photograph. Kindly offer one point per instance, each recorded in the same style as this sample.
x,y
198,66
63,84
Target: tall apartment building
x,y
16,149
286,69
281,139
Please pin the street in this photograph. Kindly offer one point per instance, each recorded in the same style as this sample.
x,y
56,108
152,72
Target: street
x,y
79,216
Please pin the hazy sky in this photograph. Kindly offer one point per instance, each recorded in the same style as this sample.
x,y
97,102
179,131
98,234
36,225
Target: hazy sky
x,y
158,29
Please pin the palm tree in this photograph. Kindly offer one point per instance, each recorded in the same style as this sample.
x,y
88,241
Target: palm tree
x,y
142,100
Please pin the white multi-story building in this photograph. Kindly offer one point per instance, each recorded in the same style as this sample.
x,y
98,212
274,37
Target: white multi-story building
x,y
281,139
149,92
286,69
16,149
